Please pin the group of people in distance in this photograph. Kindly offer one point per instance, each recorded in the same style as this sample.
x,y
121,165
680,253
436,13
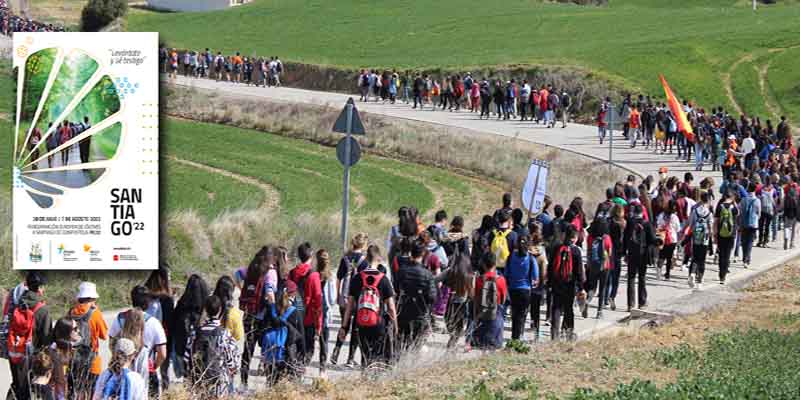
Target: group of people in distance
x,y
718,138
64,132
510,100
10,22
234,68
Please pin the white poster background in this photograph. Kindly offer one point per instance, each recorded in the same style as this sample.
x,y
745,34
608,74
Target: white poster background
x,y
532,184
46,238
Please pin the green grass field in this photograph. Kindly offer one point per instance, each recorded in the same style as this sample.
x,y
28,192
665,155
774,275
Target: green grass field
x,y
744,82
690,41
783,80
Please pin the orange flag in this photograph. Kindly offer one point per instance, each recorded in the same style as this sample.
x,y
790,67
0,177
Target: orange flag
x,y
677,111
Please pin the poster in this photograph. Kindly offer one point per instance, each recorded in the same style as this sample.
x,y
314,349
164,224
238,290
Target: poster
x,y
85,170
535,187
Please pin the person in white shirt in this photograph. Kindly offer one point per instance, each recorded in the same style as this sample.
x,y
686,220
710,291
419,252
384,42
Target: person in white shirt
x,y
748,147
153,337
118,381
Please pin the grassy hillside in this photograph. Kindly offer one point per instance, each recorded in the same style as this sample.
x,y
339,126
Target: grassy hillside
x,y
631,41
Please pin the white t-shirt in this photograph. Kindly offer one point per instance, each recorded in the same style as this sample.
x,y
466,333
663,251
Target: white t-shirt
x,y
138,390
748,145
153,332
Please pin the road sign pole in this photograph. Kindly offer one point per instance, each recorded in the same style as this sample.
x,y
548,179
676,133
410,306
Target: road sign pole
x,y
535,188
610,135
346,189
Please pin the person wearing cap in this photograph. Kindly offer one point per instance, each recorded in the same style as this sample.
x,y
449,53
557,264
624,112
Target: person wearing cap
x,y
639,237
32,295
86,311
119,381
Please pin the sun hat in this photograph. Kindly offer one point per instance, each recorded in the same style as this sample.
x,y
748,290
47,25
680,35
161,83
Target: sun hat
x,y
125,346
87,290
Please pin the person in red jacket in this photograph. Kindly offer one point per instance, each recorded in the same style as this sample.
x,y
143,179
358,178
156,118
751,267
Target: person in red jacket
x,y
310,299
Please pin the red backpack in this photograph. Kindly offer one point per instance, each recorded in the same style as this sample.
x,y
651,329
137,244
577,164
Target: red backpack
x,y
563,264
369,302
20,332
250,299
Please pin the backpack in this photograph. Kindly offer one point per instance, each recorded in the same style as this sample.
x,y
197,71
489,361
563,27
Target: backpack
x,y
368,313
250,299
206,363
344,291
487,303
20,332
638,239
598,255
750,216
499,247
273,343
84,354
299,301
562,269
700,228
726,222
8,312
767,203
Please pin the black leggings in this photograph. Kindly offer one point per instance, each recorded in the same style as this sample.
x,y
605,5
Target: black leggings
x,y
536,311
520,306
764,222
562,307
253,332
666,253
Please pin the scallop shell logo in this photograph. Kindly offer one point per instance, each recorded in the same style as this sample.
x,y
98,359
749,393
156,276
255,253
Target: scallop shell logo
x,y
22,51
70,125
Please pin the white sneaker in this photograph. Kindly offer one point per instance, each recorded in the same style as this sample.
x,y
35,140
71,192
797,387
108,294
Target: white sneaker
x,y
691,280
700,286
735,260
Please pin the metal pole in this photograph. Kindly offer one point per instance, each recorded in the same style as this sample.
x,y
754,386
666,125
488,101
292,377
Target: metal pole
x,y
610,134
346,189
535,187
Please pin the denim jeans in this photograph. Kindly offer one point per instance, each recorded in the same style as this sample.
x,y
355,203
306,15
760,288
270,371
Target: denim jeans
x,y
698,155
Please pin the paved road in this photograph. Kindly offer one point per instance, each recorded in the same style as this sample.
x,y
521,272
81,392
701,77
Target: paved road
x,y
667,296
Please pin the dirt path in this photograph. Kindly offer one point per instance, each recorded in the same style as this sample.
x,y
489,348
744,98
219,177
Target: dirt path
x,y
772,107
726,81
272,198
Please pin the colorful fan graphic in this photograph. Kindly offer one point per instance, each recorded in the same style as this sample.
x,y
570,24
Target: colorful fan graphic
x,y
68,127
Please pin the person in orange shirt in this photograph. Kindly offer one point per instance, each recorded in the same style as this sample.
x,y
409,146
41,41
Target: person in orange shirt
x,y
237,67
543,94
86,362
635,125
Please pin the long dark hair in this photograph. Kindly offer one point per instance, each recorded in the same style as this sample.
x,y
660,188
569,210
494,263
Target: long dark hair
x,y
194,297
259,265
158,282
224,290
459,277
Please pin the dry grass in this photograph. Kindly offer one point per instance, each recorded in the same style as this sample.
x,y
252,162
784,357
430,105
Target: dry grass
x,y
463,151
559,369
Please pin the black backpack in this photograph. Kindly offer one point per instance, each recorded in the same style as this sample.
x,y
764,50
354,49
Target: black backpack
x,y
415,300
639,236
206,363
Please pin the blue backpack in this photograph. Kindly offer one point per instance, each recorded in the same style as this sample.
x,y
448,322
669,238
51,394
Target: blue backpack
x,y
273,343
598,255
749,214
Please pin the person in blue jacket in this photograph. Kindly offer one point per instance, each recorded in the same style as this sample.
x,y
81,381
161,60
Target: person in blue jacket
x,y
522,273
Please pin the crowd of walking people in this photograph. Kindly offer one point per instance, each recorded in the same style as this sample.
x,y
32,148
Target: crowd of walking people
x,y
233,68
548,267
10,22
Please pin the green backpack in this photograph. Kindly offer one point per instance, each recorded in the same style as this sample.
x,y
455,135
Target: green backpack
x,y
726,222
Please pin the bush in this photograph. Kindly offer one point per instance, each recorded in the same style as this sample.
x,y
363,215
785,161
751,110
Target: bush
x,y
99,13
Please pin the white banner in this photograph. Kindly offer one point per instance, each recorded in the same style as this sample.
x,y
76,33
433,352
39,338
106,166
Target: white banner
x,y
85,172
535,187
